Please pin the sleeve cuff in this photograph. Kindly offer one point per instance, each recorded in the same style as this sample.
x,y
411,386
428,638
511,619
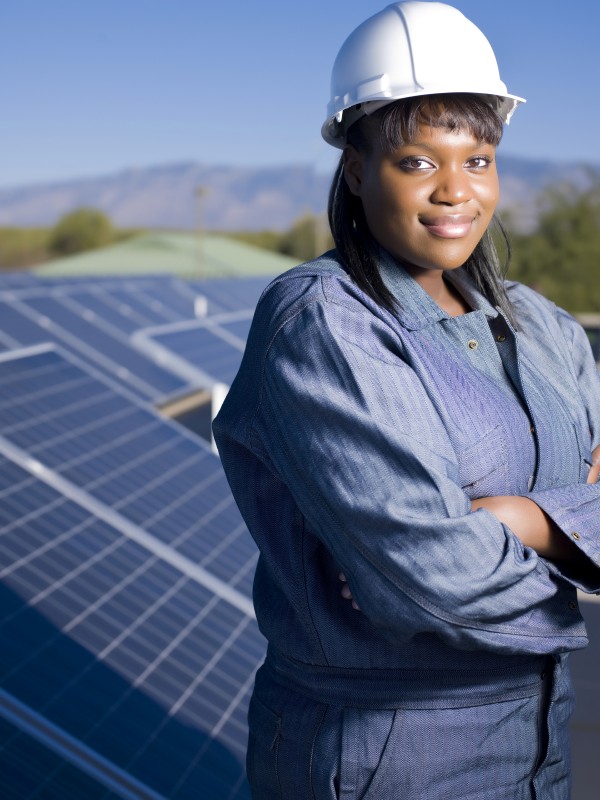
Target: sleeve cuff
x,y
576,511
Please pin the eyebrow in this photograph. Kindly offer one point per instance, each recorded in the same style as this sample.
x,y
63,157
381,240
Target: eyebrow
x,y
425,146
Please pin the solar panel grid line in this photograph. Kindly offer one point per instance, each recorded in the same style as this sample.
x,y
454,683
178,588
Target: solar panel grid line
x,y
99,450
134,305
246,569
50,416
220,318
244,689
51,285
159,307
74,360
47,390
159,449
209,704
197,759
193,375
234,744
162,299
227,336
94,425
225,317
96,283
209,667
238,744
77,308
8,341
116,642
185,290
97,321
176,641
42,542
227,294
139,679
117,388
33,655
106,297
28,766
42,549
88,353
148,486
74,750
82,567
144,627
116,588
118,313
107,596
191,492
23,517
132,531
213,348
225,542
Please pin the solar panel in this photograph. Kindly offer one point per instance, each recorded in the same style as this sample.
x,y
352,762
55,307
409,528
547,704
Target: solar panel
x,y
125,606
94,319
29,767
204,351
230,294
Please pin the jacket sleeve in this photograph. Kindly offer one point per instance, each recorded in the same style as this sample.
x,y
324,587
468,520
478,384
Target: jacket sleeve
x,y
576,509
388,508
585,368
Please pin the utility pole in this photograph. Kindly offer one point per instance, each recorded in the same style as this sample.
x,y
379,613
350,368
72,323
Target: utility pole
x,y
200,193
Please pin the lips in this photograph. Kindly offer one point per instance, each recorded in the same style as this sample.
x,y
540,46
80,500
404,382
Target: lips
x,y
448,227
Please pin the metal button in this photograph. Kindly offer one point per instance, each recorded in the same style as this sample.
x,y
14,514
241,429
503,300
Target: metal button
x,y
473,344
501,338
532,429
572,605
576,536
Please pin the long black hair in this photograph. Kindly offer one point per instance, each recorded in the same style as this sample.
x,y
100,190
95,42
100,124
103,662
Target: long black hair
x,y
389,128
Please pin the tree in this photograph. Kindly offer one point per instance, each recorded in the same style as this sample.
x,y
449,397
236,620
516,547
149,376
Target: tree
x,y
562,257
83,229
308,237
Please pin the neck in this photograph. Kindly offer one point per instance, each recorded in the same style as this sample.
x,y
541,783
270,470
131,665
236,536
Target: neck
x,y
441,291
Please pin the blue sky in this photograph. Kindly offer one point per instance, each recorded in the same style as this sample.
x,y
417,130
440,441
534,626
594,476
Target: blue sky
x,y
89,88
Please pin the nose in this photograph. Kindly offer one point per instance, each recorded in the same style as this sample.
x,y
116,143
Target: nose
x,y
452,186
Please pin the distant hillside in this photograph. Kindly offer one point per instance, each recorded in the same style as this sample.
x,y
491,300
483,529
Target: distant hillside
x,y
238,198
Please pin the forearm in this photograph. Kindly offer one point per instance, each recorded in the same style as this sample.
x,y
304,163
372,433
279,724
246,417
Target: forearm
x,y
532,526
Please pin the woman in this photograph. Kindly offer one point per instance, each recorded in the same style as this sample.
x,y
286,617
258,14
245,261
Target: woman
x,y
405,418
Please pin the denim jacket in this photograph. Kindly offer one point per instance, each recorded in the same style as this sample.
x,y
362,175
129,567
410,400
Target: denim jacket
x,y
354,440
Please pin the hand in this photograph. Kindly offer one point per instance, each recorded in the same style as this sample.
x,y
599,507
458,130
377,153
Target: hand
x,y
594,472
346,593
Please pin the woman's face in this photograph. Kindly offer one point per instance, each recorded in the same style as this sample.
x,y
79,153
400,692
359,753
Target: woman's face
x,y
428,202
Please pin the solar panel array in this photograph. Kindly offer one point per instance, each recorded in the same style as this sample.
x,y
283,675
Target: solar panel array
x,y
129,639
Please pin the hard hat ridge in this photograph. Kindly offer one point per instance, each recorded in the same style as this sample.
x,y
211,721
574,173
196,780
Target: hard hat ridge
x,y
410,49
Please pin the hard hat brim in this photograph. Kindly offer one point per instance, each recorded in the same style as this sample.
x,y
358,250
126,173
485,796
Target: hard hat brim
x,y
337,123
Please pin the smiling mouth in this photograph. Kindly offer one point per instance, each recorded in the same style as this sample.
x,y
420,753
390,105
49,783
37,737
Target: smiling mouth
x,y
449,227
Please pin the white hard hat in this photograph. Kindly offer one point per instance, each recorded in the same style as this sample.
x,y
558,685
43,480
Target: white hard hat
x,y
407,50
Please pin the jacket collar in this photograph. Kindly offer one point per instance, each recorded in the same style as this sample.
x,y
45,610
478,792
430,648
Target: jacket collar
x,y
416,309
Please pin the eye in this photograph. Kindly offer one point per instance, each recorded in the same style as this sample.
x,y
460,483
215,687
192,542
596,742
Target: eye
x,y
415,164
479,162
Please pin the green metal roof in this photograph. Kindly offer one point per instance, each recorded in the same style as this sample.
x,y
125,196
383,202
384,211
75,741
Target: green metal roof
x,y
185,255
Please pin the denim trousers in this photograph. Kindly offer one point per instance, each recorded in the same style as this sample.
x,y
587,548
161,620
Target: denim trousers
x,y
508,746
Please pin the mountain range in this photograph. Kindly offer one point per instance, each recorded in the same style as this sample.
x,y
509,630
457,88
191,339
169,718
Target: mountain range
x,y
188,195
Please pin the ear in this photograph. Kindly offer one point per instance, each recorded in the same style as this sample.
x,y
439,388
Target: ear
x,y
353,168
